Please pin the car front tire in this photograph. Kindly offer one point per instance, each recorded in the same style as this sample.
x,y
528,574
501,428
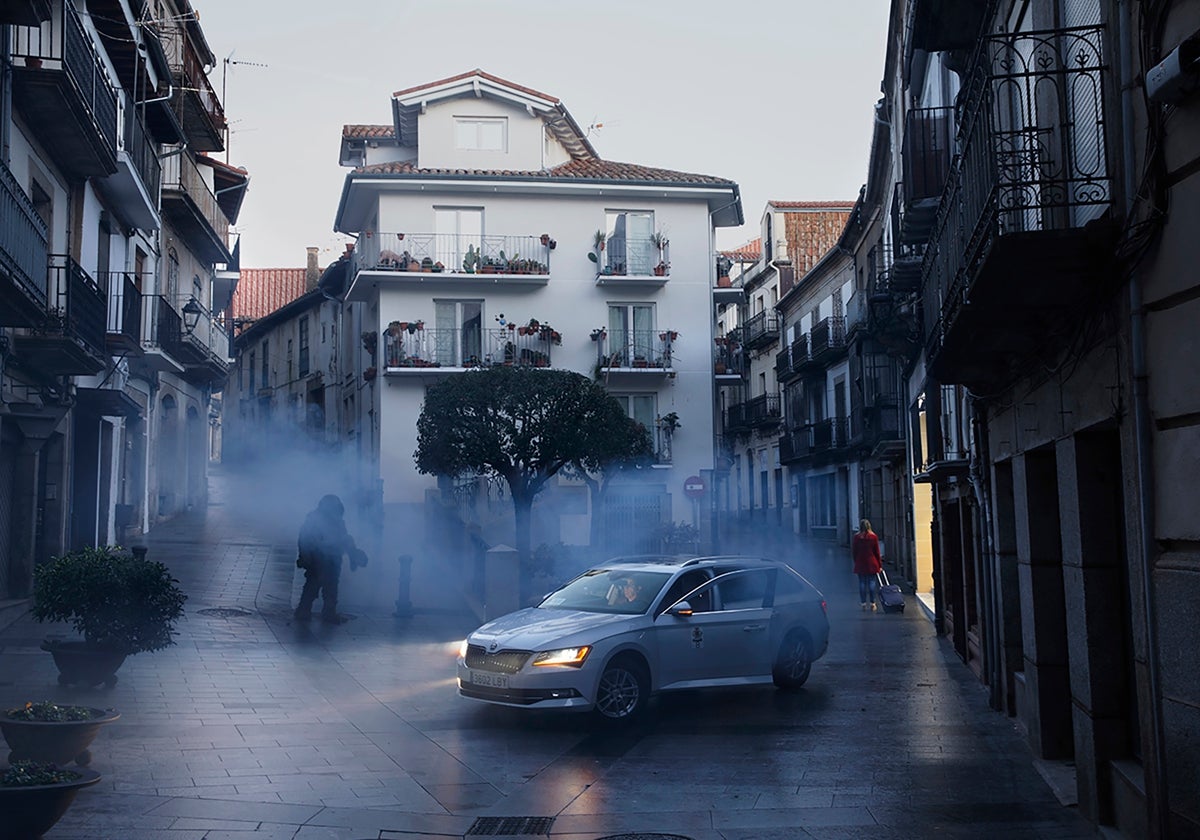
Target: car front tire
x,y
623,690
794,662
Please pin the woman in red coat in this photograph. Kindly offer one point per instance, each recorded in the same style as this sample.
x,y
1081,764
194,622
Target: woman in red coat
x,y
867,563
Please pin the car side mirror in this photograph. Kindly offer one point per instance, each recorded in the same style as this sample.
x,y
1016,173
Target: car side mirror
x,y
681,610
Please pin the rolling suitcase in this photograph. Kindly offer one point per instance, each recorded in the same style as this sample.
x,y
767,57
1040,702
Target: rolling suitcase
x,y
890,596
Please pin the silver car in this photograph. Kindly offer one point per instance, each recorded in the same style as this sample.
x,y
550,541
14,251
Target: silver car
x,y
609,639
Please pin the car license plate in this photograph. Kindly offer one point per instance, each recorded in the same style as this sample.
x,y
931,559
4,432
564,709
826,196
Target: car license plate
x,y
490,680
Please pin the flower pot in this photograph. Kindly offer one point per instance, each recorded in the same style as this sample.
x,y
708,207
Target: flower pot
x,y
54,741
30,811
724,282
79,662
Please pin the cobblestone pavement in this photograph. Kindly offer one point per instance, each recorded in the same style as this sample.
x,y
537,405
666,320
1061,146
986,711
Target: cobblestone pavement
x,y
255,727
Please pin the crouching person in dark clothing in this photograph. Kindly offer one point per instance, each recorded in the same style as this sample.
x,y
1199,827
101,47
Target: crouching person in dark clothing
x,y
323,541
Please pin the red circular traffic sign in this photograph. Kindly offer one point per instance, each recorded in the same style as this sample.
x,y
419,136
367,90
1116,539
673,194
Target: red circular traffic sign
x,y
694,487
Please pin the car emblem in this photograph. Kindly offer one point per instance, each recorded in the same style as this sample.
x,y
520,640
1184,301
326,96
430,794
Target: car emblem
x,y
493,646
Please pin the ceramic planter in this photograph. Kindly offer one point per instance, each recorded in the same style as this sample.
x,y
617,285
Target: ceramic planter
x,y
31,811
54,741
79,662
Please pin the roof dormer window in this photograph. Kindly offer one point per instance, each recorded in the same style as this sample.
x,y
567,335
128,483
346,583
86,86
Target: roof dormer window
x,y
481,134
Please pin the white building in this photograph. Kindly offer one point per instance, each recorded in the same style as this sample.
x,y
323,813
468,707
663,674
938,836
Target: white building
x,y
484,207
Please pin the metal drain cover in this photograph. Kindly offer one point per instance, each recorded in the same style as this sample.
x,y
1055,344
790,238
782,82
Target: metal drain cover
x,y
492,826
225,612
643,836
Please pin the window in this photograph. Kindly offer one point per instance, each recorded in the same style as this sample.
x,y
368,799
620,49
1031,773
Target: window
x,y
251,369
457,229
630,333
43,204
458,333
265,367
641,407
481,134
629,248
303,345
289,360
172,290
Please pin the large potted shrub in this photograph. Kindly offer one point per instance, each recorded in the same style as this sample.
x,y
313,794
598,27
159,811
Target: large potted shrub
x,y
120,604
34,796
52,734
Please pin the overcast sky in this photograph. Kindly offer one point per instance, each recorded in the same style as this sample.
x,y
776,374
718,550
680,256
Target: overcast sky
x,y
776,95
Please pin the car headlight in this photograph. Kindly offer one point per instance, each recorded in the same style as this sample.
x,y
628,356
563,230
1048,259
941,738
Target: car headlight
x,y
462,650
565,656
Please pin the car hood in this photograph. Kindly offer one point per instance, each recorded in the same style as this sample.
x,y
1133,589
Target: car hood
x,y
540,629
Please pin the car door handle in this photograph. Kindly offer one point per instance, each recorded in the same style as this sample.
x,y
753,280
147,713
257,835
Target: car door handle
x,y
754,628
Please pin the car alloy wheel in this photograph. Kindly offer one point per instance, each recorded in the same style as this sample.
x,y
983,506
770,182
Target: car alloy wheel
x,y
621,694
794,662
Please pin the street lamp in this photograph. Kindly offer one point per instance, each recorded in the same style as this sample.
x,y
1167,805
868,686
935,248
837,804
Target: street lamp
x,y
191,315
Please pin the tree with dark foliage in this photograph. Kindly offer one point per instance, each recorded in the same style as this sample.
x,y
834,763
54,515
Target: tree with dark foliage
x,y
523,424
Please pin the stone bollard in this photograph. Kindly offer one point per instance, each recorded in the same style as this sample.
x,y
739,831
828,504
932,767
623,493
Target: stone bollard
x,y
139,552
501,582
403,596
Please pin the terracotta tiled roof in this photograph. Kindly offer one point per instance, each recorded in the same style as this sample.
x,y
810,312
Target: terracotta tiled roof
x,y
750,252
584,170
810,236
260,291
482,75
368,132
812,205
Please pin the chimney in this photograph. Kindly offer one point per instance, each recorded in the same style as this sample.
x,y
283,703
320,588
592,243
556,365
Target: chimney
x,y
312,273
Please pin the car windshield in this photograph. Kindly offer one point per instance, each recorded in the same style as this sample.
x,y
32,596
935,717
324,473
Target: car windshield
x,y
608,591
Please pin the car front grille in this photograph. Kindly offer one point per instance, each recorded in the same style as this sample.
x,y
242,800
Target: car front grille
x,y
501,662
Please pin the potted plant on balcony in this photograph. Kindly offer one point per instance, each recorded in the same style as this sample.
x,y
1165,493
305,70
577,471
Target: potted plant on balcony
x,y
53,734
599,334
661,269
120,604
471,260
34,796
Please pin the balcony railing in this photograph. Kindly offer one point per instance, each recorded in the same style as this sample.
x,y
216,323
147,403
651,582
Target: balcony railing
x,y
760,330
728,359
203,218
23,257
828,337
638,349
78,304
449,253
755,412
137,144
209,338
162,326
928,150
45,54
1032,157
790,361
457,347
124,328
624,256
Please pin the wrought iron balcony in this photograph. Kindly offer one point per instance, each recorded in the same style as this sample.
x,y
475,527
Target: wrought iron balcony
x,y
23,258
162,334
760,330
70,341
62,91
755,413
791,361
198,109
729,362
632,259
822,440
638,350
192,209
827,340
1018,231
124,331
877,429
926,155
453,257
204,344
415,346
940,25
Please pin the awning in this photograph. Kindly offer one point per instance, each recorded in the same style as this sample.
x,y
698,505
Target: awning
x,y
107,402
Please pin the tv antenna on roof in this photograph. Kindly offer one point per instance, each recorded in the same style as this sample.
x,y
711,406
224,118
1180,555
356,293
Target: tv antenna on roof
x,y
228,60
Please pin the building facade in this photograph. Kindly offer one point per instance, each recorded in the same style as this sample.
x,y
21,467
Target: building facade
x,y
490,232
113,226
